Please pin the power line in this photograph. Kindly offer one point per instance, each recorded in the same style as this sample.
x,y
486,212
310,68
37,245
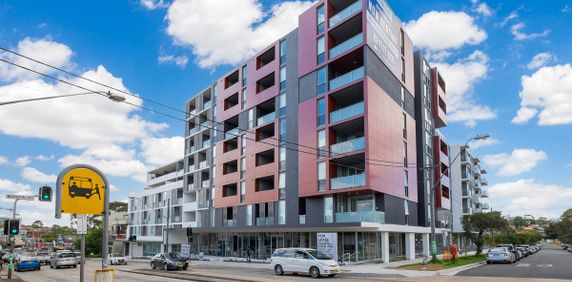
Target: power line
x,y
189,113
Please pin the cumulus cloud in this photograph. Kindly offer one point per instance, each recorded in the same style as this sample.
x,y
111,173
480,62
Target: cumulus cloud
x,y
8,186
44,158
519,35
45,50
33,175
160,151
460,78
180,61
518,162
484,143
513,15
522,197
153,4
23,161
483,9
445,30
547,93
540,60
132,168
228,32
3,160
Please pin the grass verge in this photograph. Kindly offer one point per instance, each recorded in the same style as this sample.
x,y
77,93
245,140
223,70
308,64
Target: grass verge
x,y
443,264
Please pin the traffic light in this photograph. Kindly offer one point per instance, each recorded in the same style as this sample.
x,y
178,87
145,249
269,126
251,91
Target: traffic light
x,y
14,225
45,194
6,226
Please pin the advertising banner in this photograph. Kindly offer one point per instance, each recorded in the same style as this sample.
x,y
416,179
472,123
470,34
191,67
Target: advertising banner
x,y
384,34
328,244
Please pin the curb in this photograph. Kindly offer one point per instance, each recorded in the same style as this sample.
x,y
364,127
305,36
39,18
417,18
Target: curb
x,y
454,271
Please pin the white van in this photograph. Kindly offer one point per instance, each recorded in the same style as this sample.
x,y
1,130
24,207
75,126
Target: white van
x,y
302,260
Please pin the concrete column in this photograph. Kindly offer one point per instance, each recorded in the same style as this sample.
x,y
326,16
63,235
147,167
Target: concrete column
x,y
426,245
385,247
410,246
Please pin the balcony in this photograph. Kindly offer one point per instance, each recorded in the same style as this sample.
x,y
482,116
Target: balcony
x,y
362,216
485,206
266,119
347,112
263,221
207,105
484,181
205,184
202,165
346,78
484,194
302,219
345,13
229,222
231,133
348,146
347,181
346,45
191,187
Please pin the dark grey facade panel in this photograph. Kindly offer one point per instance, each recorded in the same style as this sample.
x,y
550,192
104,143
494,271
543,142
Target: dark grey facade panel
x,y
377,70
394,210
308,87
315,211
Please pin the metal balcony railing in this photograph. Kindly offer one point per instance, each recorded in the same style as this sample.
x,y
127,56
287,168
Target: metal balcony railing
x,y
347,112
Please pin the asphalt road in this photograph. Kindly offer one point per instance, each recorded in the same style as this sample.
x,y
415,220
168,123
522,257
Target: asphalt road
x,y
550,262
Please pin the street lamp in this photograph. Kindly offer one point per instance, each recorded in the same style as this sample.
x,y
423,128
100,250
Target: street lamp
x,y
111,96
432,194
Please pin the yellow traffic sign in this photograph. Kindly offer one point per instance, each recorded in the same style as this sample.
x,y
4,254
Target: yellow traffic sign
x,y
82,191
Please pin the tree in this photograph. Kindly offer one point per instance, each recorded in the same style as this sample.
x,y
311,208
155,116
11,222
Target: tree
x,y
37,224
55,231
117,206
476,225
93,241
518,222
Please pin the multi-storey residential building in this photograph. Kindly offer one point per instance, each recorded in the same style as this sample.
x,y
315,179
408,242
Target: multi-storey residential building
x,y
117,232
148,211
467,178
317,133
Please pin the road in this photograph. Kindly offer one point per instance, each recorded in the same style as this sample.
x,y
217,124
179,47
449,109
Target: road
x,y
551,262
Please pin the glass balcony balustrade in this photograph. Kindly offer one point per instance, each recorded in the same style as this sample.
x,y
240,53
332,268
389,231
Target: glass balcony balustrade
x,y
346,78
347,146
361,216
346,45
345,13
347,112
347,181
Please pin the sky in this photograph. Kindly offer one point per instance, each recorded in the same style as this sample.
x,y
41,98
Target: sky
x,y
507,66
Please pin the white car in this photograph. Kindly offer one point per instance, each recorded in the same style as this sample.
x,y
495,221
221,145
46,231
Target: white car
x,y
116,259
302,260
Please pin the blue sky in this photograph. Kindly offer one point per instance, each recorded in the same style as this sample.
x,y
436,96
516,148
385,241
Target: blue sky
x,y
507,66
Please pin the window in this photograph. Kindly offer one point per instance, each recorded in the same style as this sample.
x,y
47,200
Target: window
x,y
406,182
282,129
249,215
244,75
242,191
282,52
406,210
328,209
322,77
282,158
243,148
242,168
281,212
404,126
251,118
402,97
402,43
282,104
403,70
322,176
282,185
321,50
321,143
321,112
321,13
244,98
282,78
405,154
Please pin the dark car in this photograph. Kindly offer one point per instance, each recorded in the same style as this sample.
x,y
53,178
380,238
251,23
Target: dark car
x,y
524,249
169,261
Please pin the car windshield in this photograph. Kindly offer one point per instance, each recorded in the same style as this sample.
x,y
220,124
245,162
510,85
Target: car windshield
x,y
67,255
498,250
174,256
115,255
318,255
41,254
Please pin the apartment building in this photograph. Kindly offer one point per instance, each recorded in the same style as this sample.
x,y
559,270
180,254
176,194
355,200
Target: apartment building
x,y
467,177
317,133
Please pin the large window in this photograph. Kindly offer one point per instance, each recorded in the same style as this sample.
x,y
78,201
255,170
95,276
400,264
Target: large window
x,y
282,78
322,79
321,112
321,176
321,13
321,143
281,212
328,209
243,145
282,52
321,50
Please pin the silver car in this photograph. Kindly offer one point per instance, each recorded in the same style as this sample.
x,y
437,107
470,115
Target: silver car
x,y
500,254
43,257
63,259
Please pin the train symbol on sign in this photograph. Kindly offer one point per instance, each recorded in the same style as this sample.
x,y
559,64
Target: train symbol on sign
x,y
82,187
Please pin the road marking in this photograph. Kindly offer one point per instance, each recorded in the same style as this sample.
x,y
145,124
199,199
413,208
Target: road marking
x,y
523,265
544,265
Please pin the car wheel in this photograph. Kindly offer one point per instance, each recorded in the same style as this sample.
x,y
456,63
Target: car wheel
x,y
278,270
165,267
488,262
185,267
51,266
314,272
75,265
57,266
125,263
153,265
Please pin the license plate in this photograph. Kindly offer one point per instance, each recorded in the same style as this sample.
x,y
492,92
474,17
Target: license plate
x,y
335,270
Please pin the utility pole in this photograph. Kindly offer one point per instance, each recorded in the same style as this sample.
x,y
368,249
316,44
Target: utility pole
x,y
11,242
167,227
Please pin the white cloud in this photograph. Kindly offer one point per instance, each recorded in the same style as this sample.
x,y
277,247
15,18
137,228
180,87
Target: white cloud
x,y
132,168
228,32
23,161
33,175
460,78
518,34
8,186
527,196
484,10
45,50
180,61
484,143
511,16
518,162
160,151
540,60
445,30
547,93
3,160
44,158
153,4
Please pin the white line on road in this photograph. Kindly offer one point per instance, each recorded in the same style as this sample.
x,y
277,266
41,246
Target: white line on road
x,y
523,265
544,265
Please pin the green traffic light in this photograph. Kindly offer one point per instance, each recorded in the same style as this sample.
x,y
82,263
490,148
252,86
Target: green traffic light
x,y
14,230
46,196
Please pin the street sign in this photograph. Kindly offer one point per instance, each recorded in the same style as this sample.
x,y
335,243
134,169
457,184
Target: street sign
x,y
21,197
82,191
81,224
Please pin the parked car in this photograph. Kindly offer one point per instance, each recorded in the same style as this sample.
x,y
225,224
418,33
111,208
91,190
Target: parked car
x,y
169,261
500,254
116,259
43,257
564,246
511,249
26,262
63,259
524,249
301,260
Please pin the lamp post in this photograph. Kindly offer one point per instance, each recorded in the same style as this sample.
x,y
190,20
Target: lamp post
x,y
432,192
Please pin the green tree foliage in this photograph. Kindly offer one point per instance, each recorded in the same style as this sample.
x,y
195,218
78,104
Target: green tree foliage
x,y
476,225
93,241
55,231
518,238
37,224
118,206
519,222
